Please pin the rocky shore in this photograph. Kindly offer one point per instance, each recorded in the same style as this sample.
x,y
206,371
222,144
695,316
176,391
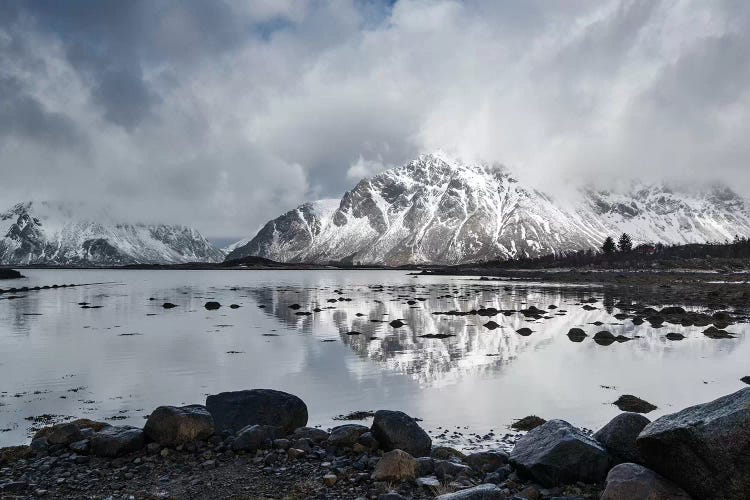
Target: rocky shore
x,y
256,444
9,274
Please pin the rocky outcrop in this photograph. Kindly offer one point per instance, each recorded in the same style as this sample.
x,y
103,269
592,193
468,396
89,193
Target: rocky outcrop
x,y
397,430
173,426
704,448
629,481
235,410
558,453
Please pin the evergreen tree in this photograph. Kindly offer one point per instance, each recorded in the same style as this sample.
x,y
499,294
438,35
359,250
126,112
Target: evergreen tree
x,y
625,244
609,247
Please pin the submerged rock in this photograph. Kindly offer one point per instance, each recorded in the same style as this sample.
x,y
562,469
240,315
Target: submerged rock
x,y
397,430
619,436
704,448
557,453
173,426
630,403
238,409
527,423
576,335
632,481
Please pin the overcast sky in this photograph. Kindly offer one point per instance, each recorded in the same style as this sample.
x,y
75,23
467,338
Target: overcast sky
x,y
223,115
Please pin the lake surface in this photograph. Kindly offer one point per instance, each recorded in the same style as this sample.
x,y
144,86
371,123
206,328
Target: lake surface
x,y
127,355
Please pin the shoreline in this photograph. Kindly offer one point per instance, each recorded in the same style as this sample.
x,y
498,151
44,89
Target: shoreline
x,y
256,444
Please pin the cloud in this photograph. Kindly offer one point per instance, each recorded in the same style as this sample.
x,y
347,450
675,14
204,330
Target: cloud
x,y
222,115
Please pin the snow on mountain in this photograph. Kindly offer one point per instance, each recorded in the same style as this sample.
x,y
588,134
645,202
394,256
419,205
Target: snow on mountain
x,y
439,209
76,234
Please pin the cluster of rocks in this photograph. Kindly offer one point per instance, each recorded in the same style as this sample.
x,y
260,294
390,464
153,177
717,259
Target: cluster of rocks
x,y
257,443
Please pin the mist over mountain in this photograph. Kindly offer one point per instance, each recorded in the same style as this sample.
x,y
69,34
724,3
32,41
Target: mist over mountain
x,y
442,210
49,233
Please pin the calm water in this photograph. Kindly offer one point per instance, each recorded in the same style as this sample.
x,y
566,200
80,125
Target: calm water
x,y
121,360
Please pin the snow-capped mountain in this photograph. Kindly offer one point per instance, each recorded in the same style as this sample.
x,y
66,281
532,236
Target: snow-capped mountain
x,y
68,234
438,209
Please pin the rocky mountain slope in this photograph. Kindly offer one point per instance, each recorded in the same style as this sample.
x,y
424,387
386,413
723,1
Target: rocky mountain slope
x,y
69,234
438,209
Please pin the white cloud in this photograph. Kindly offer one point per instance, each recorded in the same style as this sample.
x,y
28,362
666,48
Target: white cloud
x,y
229,114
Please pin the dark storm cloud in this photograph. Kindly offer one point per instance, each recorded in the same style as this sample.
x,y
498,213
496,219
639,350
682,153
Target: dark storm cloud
x,y
223,114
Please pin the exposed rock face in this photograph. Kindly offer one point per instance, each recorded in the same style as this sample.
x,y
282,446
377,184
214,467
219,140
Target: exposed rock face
x,y
558,453
116,441
704,448
397,430
395,465
442,210
619,436
235,410
173,426
77,235
629,481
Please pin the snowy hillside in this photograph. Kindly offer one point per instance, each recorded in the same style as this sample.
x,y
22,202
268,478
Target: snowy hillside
x,y
74,234
437,209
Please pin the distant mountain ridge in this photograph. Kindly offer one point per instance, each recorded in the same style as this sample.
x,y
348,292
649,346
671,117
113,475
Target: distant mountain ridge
x,y
49,233
441,210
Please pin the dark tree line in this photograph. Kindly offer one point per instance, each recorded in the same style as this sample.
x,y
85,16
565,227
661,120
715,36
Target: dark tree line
x,y
623,253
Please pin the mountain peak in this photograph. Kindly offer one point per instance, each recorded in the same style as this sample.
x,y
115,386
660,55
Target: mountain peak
x,y
441,209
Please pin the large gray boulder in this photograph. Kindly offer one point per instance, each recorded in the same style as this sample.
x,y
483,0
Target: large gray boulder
x,y
557,453
630,481
481,492
705,448
619,436
236,410
173,425
116,441
397,430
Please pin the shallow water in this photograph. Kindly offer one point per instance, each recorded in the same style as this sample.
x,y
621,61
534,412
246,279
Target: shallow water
x,y
121,360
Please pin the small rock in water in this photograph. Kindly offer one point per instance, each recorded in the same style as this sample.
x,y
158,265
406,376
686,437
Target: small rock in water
x,y
397,323
635,404
525,332
745,379
211,306
527,423
674,336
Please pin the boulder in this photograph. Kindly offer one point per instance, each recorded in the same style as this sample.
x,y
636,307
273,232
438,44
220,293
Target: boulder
x,y
236,410
346,435
255,437
64,434
311,433
116,441
481,492
557,453
487,461
397,430
619,436
704,448
630,403
395,465
173,426
447,470
629,481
